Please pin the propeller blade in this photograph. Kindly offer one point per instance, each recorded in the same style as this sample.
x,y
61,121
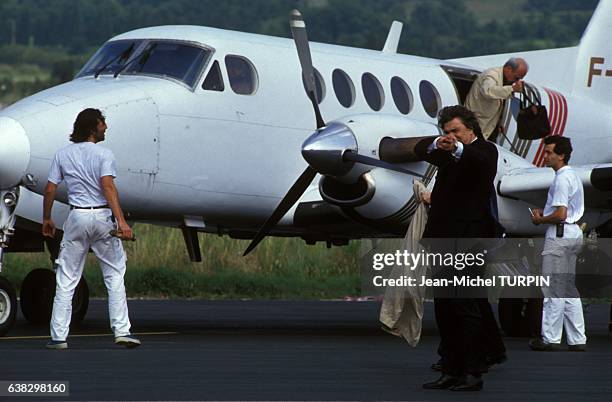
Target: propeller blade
x,y
300,37
366,160
292,196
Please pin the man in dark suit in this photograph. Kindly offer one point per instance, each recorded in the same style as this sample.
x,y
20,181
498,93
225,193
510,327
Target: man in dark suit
x,y
460,213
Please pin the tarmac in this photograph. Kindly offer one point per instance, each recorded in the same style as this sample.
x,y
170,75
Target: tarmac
x,y
285,350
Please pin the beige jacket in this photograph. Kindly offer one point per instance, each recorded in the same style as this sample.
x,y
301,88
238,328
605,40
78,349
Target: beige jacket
x,y
486,98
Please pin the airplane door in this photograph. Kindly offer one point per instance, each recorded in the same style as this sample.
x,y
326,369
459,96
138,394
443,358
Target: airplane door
x,y
462,79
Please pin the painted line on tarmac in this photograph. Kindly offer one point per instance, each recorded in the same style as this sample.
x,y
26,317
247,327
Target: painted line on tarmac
x,y
12,338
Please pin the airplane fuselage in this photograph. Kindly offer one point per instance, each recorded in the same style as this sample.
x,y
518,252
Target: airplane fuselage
x,y
229,157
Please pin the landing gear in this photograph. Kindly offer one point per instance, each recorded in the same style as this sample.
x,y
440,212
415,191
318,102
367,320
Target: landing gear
x,y
8,300
38,291
8,305
36,296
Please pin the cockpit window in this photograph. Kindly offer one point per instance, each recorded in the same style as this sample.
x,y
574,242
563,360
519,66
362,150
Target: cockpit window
x,y
214,80
110,57
180,61
242,75
169,59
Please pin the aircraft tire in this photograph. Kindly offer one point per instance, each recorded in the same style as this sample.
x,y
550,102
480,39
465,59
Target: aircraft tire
x,y
8,305
38,291
36,295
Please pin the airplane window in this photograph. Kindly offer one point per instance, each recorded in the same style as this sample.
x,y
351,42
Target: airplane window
x,y
176,60
241,74
429,98
343,87
214,80
372,90
402,95
319,85
110,57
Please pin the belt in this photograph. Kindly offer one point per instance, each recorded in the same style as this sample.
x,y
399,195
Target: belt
x,y
97,207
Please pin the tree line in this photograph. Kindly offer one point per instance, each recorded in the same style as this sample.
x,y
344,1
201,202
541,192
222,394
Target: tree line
x,y
435,28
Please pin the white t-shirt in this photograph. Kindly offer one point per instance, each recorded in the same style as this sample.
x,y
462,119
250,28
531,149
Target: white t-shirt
x,y
82,165
566,191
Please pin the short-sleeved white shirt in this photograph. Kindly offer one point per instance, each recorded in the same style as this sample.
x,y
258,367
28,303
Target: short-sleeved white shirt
x,y
566,191
82,165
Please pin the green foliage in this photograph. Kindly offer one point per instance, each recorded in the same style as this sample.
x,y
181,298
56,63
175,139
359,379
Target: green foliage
x,y
279,268
557,5
439,28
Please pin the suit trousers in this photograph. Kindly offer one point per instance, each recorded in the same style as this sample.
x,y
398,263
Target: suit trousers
x,y
459,314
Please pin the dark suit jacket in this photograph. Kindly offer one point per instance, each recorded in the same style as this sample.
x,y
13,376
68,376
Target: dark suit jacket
x,y
460,200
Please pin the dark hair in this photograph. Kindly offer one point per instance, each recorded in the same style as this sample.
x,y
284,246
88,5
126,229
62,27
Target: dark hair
x,y
563,146
85,124
467,117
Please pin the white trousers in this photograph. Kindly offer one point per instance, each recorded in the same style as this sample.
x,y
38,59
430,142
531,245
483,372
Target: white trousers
x,y
562,305
85,229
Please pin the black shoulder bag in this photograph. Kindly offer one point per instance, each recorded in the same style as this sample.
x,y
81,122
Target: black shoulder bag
x,y
532,120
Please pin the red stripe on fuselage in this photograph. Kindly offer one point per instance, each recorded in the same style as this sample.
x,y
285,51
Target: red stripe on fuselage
x,y
557,120
551,113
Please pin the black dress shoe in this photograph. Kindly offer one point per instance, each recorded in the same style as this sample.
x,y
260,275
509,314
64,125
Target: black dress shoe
x,y
499,359
540,346
444,382
581,347
468,382
437,366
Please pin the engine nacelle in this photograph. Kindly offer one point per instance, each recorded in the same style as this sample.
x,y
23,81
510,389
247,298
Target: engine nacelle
x,y
371,195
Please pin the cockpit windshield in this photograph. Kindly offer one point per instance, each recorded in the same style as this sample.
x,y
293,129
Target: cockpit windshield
x,y
162,58
110,57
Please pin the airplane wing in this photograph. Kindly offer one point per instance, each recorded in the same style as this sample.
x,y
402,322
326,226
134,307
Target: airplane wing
x,y
531,185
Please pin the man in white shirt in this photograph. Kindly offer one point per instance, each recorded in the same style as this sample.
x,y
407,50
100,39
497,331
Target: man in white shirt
x,y
89,171
563,241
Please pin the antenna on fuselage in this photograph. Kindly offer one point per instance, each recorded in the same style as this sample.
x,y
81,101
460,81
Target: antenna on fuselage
x,y
393,37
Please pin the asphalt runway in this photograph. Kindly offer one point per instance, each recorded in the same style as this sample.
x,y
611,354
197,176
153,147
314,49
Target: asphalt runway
x,y
285,350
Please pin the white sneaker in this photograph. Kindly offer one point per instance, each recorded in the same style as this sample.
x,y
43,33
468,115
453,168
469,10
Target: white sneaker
x,y
56,344
129,341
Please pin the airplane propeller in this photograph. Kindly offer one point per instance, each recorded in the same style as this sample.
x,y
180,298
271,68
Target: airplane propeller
x,y
366,160
300,37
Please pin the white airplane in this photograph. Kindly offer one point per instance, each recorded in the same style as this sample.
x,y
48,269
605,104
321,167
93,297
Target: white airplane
x,y
207,125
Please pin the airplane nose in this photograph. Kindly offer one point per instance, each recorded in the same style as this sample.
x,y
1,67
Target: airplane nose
x,y
14,152
324,149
